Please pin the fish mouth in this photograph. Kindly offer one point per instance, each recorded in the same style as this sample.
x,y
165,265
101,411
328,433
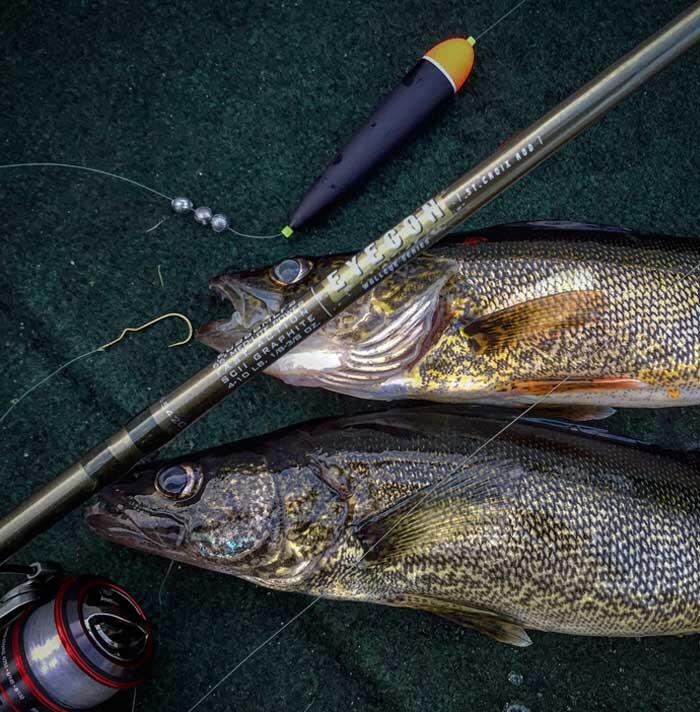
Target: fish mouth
x,y
369,357
110,528
135,527
251,305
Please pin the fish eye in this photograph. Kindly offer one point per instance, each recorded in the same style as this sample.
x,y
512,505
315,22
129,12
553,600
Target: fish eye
x,y
291,271
178,481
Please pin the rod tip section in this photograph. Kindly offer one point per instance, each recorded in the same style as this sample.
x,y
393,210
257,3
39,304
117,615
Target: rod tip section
x,y
455,56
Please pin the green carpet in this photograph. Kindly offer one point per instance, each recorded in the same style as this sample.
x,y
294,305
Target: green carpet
x,y
238,105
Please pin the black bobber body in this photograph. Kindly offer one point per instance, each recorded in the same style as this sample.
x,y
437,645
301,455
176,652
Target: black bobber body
x,y
438,75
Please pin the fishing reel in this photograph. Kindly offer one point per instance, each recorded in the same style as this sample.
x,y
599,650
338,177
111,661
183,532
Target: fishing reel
x,y
68,643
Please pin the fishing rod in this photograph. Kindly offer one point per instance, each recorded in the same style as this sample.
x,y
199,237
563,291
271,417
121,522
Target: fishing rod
x,y
174,412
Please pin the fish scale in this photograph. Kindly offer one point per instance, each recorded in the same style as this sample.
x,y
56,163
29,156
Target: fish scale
x,y
631,320
546,529
570,515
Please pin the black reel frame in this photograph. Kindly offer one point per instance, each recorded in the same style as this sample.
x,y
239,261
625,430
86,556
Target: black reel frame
x,y
42,580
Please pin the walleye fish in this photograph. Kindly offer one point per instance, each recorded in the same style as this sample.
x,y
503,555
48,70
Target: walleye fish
x,y
500,317
544,529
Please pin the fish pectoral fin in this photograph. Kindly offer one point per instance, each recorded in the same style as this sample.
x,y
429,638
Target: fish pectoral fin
x,y
534,317
472,496
572,385
481,620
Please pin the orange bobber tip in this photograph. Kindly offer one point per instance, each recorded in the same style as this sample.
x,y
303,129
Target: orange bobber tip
x,y
455,57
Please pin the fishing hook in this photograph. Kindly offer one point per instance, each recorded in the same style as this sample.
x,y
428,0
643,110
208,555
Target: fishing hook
x,y
130,329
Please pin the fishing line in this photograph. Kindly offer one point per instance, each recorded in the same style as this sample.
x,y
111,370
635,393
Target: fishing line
x,y
100,349
179,204
162,583
16,401
499,20
254,651
51,164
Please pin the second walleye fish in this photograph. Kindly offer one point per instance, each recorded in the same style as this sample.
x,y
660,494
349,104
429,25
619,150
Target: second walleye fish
x,y
538,528
500,317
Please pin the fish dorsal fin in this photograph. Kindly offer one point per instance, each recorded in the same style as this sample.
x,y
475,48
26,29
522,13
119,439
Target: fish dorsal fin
x,y
476,493
484,621
541,227
534,317
561,226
